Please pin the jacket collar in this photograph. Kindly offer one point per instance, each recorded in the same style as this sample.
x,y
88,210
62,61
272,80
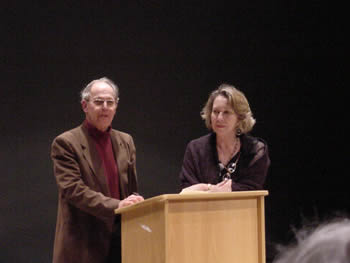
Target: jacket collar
x,y
117,147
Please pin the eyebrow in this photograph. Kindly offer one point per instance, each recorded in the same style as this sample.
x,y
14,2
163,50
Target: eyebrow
x,y
224,108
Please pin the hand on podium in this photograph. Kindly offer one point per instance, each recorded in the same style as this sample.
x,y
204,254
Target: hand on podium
x,y
224,186
130,200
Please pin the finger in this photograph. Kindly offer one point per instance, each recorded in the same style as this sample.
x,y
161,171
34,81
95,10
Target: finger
x,y
229,182
134,198
199,187
124,203
130,199
140,198
221,183
137,196
137,199
225,181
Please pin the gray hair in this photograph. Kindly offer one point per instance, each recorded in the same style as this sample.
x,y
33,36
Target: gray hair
x,y
329,242
85,93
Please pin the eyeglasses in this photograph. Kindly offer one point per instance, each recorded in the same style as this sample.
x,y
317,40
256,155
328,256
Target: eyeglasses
x,y
110,103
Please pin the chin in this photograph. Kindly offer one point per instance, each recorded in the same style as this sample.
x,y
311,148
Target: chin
x,y
103,127
223,132
220,130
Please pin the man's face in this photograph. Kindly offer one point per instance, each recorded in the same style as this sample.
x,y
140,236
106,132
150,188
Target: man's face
x,y
101,106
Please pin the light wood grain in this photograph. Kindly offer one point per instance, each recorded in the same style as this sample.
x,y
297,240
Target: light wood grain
x,y
191,228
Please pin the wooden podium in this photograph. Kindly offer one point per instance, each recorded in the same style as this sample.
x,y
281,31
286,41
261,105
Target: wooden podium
x,y
195,228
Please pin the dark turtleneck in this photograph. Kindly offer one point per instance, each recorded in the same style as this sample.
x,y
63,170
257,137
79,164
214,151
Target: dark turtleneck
x,y
105,151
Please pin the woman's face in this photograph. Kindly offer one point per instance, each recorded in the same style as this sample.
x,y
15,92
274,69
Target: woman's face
x,y
224,120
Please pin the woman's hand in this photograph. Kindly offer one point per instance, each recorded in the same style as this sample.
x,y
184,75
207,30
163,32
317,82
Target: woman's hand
x,y
197,187
224,186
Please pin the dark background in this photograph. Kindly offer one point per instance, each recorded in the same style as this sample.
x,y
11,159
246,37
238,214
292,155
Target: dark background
x,y
166,57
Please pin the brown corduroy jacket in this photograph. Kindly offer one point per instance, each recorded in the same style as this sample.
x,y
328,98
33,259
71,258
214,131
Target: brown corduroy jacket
x,y
85,217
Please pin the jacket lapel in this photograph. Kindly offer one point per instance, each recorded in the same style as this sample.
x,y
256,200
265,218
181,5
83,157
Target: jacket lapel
x,y
121,157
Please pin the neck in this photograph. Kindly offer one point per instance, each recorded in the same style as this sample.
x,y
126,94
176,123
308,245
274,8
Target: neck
x,y
93,130
227,147
226,141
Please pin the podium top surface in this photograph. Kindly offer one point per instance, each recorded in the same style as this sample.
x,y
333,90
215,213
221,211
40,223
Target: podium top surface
x,y
192,196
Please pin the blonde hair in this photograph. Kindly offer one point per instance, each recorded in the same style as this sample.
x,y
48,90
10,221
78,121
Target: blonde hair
x,y
239,104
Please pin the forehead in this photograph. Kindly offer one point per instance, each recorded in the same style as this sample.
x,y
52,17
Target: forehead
x,y
102,89
221,102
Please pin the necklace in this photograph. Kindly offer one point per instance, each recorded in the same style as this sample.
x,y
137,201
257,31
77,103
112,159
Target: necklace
x,y
226,172
234,150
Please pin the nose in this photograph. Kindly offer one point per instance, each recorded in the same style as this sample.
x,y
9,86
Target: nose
x,y
104,105
220,116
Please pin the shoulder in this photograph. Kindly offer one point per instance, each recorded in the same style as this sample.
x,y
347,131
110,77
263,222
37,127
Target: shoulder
x,y
122,137
253,145
202,145
70,135
201,141
68,141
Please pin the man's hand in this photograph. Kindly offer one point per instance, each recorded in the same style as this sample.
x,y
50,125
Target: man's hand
x,y
130,200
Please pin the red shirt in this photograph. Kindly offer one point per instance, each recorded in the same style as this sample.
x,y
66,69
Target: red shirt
x,y
105,151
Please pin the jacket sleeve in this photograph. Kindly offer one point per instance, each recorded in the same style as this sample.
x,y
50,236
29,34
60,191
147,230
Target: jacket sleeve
x,y
189,174
71,185
253,176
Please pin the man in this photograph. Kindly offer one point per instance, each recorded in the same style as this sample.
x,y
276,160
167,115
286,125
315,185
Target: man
x,y
95,170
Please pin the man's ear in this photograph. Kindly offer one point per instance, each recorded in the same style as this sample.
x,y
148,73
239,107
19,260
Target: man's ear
x,y
84,105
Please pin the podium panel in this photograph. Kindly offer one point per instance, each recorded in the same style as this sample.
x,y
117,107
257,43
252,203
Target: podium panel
x,y
195,228
143,234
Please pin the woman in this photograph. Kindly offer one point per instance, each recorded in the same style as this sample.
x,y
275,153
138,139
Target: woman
x,y
227,159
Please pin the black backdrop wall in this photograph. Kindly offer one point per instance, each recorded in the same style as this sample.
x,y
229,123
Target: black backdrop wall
x,y
166,56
